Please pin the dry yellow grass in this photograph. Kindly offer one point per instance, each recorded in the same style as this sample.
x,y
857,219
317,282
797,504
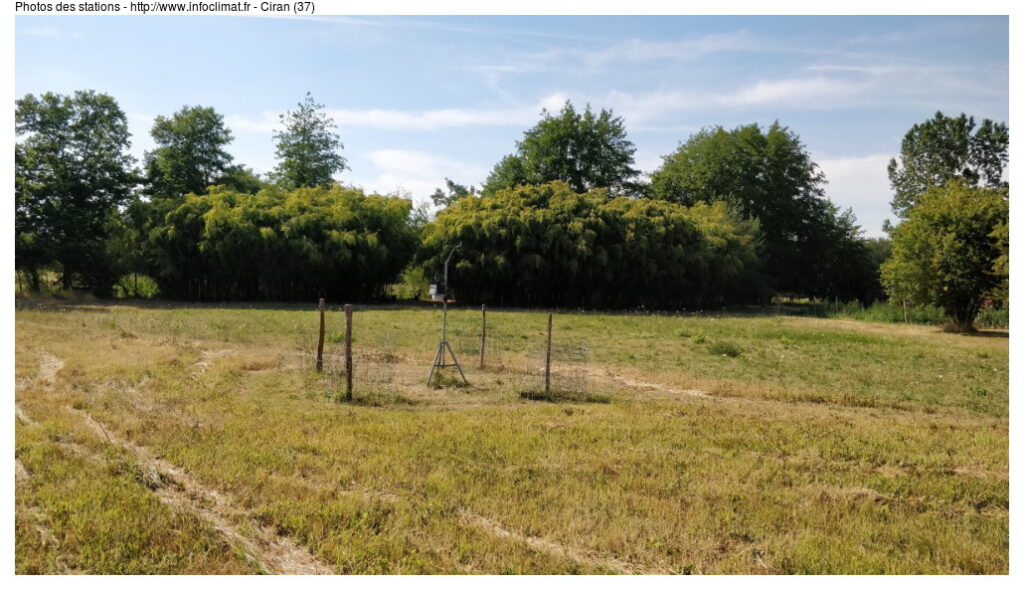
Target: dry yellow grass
x,y
823,446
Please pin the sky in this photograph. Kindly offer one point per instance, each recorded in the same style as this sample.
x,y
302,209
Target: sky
x,y
419,99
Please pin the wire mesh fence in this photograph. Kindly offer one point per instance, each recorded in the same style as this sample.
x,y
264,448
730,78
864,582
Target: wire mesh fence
x,y
387,358
565,374
373,366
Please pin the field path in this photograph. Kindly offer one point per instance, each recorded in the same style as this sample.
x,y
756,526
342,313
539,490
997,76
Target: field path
x,y
208,356
49,366
637,384
176,488
274,553
543,545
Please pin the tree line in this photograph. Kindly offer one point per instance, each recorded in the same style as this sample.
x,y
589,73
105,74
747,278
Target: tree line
x,y
731,216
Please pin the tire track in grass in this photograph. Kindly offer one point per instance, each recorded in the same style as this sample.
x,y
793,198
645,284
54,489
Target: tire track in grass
x,y
273,553
176,488
656,386
266,549
33,514
542,545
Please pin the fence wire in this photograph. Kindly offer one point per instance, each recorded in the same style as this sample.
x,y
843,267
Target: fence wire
x,y
373,368
569,369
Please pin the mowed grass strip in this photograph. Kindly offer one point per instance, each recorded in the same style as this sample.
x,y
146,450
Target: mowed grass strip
x,y
743,484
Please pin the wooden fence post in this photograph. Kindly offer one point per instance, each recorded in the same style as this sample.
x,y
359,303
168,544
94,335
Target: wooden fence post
x,y
547,362
348,351
483,332
320,342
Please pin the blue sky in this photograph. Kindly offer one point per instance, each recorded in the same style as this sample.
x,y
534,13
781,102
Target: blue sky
x,y
420,98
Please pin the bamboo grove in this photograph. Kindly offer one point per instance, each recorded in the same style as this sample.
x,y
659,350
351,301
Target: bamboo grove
x,y
733,216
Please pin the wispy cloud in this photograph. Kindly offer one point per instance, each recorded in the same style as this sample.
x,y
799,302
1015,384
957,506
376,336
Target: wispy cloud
x,y
577,60
416,173
638,50
422,120
426,24
817,92
636,108
803,91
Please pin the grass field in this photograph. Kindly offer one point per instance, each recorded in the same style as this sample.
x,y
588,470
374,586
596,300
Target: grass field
x,y
172,439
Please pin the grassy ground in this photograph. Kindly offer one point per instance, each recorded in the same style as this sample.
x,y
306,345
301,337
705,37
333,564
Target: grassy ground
x,y
173,439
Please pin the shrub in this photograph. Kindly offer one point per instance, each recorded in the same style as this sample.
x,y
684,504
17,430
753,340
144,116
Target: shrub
x,y
725,348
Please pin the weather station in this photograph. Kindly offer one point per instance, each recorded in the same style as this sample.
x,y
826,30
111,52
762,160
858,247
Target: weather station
x,y
439,292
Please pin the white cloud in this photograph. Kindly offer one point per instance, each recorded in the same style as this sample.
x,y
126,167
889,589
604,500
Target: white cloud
x,y
637,50
860,182
793,91
577,60
872,69
797,92
425,120
417,173
636,109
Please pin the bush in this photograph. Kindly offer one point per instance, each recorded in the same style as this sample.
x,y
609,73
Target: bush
x,y
725,348
135,286
892,312
549,246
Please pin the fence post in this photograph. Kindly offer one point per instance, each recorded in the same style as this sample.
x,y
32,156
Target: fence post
x,y
348,351
320,342
547,362
483,332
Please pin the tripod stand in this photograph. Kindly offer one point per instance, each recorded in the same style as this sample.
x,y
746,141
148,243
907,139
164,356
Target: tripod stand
x,y
443,348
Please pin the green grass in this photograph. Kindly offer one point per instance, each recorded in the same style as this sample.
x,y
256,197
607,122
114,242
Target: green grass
x,y
892,312
86,508
825,445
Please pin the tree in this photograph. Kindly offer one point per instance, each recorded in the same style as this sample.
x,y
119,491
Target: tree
x,y
951,250
242,179
73,171
809,247
281,245
586,150
878,250
190,153
308,147
947,148
510,172
455,191
549,245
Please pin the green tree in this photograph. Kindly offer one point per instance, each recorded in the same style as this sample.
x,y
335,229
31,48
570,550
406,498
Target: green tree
x,y
944,148
510,172
73,171
190,154
242,179
878,250
308,147
809,247
587,150
950,250
453,192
